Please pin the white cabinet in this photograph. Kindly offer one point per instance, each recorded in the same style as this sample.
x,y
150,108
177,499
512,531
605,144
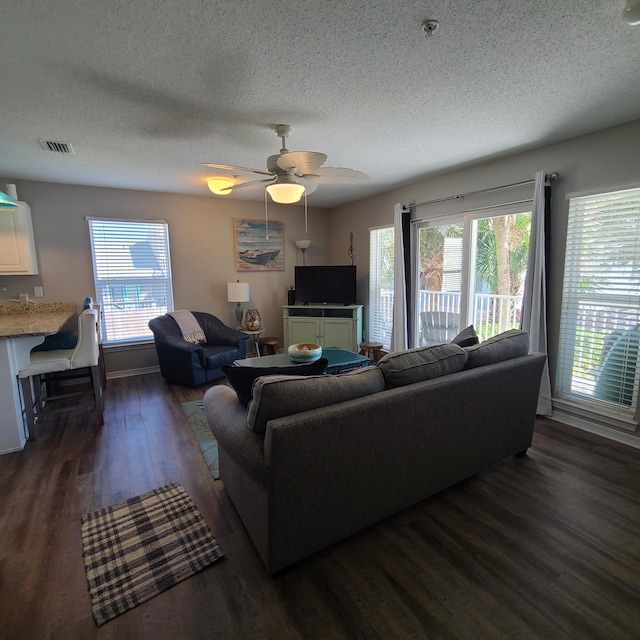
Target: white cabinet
x,y
17,248
327,325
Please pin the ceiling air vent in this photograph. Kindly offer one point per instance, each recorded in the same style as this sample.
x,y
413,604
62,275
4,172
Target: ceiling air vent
x,y
56,147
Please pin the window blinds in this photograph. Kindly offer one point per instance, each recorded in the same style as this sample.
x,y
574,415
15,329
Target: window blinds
x,y
600,323
381,286
132,275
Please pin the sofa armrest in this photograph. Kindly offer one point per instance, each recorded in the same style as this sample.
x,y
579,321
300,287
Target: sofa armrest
x,y
227,419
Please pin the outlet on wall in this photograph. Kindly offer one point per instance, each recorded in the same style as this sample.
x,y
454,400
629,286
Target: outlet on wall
x,y
37,292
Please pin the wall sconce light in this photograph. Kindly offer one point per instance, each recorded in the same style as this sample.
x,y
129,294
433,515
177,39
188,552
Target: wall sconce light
x,y
238,292
220,186
303,245
631,12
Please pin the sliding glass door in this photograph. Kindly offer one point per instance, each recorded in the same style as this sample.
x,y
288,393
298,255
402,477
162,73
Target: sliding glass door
x,y
470,269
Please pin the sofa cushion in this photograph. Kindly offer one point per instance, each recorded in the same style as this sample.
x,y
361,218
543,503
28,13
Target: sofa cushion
x,y
467,337
423,363
509,344
279,396
242,378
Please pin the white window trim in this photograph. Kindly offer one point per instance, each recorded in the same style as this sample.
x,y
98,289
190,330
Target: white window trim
x,y
165,281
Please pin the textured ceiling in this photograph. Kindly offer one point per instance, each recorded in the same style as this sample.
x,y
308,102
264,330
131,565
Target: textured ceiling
x,y
146,90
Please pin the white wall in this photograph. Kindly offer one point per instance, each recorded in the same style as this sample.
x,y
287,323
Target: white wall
x,y
202,250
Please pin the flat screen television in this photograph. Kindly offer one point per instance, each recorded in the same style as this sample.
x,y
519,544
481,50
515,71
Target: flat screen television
x,y
326,284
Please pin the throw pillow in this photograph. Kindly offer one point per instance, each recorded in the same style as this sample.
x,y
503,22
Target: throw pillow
x,y
423,363
242,378
467,337
280,396
509,344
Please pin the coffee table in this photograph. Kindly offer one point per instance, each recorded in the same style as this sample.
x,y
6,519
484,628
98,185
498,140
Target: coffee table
x,y
340,360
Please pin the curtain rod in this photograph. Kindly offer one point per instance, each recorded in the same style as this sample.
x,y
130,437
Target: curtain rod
x,y
417,221
548,176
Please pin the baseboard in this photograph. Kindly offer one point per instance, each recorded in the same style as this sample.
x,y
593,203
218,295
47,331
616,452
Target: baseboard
x,y
585,425
12,450
127,373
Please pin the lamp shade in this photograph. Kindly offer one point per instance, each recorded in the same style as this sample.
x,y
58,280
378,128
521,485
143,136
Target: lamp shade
x,y
303,244
238,291
285,192
220,186
6,201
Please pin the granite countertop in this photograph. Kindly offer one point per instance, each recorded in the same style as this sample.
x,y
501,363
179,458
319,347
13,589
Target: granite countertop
x,y
41,319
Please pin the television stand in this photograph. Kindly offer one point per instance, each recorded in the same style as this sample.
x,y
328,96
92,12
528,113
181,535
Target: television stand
x,y
329,325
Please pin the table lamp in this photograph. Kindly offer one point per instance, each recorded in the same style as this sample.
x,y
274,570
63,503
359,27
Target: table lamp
x,y
238,292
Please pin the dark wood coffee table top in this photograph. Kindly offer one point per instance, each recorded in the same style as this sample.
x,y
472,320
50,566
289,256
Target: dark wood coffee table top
x,y
339,360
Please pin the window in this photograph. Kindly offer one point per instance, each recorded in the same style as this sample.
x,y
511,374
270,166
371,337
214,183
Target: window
x,y
381,285
132,275
599,328
470,270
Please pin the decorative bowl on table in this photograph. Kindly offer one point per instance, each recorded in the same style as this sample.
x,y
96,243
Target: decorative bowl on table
x,y
304,352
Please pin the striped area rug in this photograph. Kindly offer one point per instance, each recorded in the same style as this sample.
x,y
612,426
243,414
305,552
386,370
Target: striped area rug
x,y
135,549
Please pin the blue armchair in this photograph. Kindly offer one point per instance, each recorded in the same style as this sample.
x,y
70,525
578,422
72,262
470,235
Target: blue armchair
x,y
193,365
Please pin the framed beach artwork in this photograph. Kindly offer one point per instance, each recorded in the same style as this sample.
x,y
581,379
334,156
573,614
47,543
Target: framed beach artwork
x,y
259,246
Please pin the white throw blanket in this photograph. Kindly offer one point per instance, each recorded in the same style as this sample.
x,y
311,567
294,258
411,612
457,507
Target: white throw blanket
x,y
191,330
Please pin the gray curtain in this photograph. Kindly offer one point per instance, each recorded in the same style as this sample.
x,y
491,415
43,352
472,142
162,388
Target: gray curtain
x,y
400,330
534,304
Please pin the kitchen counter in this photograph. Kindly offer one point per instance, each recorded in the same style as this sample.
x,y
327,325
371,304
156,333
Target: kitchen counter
x,y
22,327
42,319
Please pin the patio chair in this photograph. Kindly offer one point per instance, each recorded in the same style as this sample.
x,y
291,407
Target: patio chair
x,y
438,327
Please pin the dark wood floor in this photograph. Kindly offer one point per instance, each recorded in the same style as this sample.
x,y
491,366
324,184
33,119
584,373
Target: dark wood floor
x,y
541,546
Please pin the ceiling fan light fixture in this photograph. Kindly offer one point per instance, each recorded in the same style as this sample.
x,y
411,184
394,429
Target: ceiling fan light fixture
x,y
220,186
285,192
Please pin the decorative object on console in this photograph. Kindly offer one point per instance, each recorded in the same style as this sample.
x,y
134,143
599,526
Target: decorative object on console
x,y
253,320
304,352
238,292
303,245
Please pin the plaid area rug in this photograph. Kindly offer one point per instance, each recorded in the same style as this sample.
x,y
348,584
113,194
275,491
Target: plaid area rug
x,y
135,549
206,440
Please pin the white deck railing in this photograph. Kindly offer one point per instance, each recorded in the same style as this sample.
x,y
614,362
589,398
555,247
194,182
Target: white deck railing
x,y
492,314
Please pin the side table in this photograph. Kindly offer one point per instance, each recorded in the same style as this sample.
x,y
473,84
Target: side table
x,y
256,337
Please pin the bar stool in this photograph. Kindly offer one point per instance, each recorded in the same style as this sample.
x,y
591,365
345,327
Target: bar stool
x,y
268,346
85,358
371,350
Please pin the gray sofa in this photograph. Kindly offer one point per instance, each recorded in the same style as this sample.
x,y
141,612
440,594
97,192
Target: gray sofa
x,y
315,459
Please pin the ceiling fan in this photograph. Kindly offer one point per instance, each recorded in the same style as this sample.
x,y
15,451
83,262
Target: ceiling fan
x,y
290,174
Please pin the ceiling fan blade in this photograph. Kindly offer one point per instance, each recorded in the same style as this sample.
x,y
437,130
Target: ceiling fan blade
x,y
250,183
230,167
310,187
301,161
335,175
